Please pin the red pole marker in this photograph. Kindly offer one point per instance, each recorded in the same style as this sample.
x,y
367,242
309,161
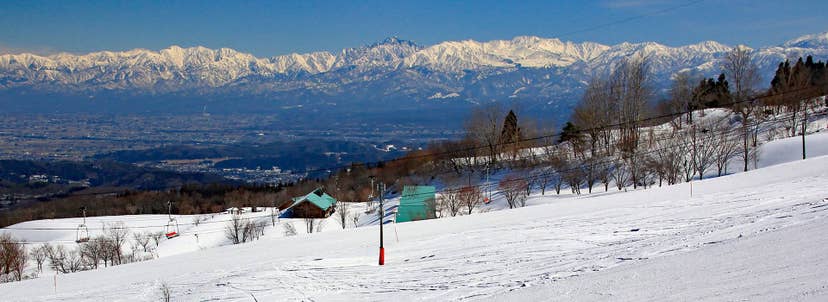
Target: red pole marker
x,y
382,256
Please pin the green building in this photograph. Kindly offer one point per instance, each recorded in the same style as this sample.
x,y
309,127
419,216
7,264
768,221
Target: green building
x,y
416,203
315,204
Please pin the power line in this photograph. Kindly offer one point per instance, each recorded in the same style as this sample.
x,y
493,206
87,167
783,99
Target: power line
x,y
777,119
131,227
500,144
629,19
614,160
542,137
550,136
553,135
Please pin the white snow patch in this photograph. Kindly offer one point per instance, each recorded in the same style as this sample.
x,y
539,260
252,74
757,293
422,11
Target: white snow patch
x,y
440,95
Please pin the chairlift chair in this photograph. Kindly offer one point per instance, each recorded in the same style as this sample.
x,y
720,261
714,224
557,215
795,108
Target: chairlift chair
x,y
171,230
82,231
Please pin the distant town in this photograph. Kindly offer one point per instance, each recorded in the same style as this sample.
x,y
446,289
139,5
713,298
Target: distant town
x,y
78,137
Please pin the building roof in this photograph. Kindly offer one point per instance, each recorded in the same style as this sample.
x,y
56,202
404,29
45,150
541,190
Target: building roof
x,y
416,203
316,197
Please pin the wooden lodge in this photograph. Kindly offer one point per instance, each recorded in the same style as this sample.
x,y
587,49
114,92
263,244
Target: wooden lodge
x,y
315,204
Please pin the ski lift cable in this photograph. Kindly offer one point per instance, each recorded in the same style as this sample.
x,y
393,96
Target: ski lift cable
x,y
486,185
131,227
557,134
536,138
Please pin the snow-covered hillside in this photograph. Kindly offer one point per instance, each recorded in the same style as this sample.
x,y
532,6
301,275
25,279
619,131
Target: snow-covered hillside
x,y
196,232
728,241
788,264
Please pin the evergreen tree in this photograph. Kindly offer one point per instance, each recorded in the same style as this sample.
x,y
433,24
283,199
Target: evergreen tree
x,y
511,132
569,133
510,135
711,93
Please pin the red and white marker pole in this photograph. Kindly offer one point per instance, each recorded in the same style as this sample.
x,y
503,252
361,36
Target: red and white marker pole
x,y
381,220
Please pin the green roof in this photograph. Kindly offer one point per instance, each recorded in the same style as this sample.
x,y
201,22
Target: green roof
x,y
317,197
416,203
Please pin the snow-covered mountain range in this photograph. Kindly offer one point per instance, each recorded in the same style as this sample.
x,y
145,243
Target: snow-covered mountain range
x,y
549,72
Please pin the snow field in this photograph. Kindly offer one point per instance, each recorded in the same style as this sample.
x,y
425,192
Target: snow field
x,y
477,256
556,239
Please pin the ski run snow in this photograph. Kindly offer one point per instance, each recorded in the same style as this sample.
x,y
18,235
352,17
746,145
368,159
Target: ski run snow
x,y
757,236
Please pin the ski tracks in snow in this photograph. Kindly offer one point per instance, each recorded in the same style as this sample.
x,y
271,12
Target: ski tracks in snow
x,y
481,256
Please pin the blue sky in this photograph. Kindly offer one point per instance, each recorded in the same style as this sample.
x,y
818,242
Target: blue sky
x,y
267,28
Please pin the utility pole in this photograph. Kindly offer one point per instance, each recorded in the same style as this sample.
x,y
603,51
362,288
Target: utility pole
x,y
804,122
695,166
371,198
336,185
273,213
488,187
381,220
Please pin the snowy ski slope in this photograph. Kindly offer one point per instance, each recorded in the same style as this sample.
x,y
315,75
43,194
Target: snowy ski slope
x,y
728,241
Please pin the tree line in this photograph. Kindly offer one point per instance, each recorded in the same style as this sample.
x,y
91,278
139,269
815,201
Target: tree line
x,y
618,135
107,249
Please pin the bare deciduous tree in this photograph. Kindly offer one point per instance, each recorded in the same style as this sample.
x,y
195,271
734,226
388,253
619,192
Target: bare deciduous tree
x,y
681,97
62,260
621,175
102,249
743,74
727,147
234,229
545,178
314,225
436,205
250,231
573,175
241,230
156,237
450,200
590,167
165,291
13,258
289,229
484,129
631,87
39,256
274,215
142,240
91,252
705,150
117,232
342,211
513,189
355,219
595,113
470,198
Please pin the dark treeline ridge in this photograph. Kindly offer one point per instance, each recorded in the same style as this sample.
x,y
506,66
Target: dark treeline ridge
x,y
195,198
16,176
290,155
